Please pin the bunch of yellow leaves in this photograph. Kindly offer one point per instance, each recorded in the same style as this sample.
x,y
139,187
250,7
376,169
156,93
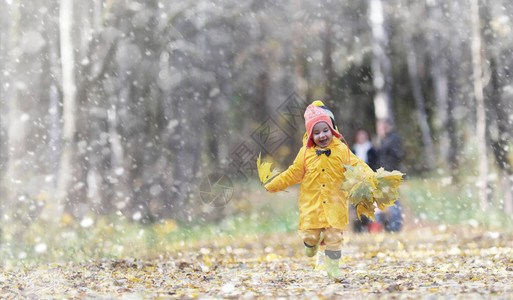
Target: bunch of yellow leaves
x,y
264,170
370,190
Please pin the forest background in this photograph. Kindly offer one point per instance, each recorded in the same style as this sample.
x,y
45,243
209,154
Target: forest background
x,y
119,116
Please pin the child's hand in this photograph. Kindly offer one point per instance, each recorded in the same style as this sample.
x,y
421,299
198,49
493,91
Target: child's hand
x,y
264,170
269,188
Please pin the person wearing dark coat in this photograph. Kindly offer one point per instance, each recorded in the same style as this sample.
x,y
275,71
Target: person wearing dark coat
x,y
390,154
390,151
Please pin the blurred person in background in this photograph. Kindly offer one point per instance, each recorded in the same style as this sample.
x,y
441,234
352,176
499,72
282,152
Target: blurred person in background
x,y
363,148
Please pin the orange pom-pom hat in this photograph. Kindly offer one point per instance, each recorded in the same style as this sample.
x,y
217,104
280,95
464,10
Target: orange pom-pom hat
x,y
313,115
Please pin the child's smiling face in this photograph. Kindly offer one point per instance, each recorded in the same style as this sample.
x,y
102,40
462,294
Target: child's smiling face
x,y
322,135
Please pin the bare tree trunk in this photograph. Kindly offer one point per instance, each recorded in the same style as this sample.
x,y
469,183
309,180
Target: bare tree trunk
x,y
480,103
4,37
303,76
328,65
454,59
439,64
498,110
181,168
212,131
260,102
15,127
454,143
69,107
500,135
380,63
507,183
52,91
97,14
502,150
263,85
3,135
441,85
429,153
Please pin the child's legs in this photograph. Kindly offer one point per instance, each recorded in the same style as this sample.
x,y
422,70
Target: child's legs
x,y
310,236
333,239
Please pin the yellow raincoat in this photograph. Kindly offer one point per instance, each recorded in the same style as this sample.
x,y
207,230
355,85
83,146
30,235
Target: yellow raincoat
x,y
322,203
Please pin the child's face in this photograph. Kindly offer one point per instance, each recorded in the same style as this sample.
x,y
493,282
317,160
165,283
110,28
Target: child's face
x,y
322,135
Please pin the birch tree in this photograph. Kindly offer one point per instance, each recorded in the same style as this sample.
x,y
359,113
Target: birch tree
x,y
69,107
4,48
380,62
480,105
13,133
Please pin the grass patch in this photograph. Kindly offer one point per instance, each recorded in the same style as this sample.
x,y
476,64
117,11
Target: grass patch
x,y
251,211
439,200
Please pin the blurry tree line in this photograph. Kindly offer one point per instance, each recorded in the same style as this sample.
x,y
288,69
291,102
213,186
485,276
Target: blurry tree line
x,y
124,106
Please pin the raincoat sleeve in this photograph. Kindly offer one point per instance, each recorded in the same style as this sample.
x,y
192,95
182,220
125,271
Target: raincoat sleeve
x,y
293,175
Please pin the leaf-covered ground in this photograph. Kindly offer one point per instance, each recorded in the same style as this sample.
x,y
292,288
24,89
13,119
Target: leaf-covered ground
x,y
426,262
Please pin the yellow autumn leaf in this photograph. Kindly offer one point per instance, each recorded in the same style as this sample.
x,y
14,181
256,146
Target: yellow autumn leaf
x,y
366,209
361,189
132,278
353,175
391,180
207,260
264,170
368,191
387,185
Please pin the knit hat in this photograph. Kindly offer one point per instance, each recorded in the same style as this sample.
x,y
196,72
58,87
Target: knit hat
x,y
320,104
313,115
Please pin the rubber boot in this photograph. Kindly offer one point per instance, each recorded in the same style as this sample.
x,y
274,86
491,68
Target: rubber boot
x,y
310,251
332,260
